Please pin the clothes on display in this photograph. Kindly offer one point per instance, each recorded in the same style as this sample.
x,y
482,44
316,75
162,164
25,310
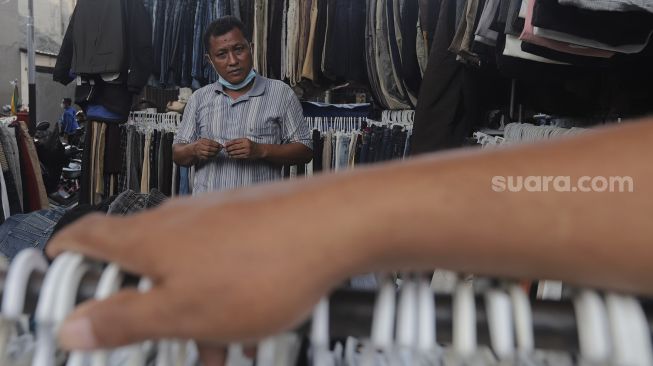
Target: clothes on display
x,y
370,142
107,50
147,163
323,42
586,59
22,189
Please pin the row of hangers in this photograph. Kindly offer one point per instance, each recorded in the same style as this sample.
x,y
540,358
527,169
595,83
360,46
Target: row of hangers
x,y
402,117
344,124
148,121
523,132
611,329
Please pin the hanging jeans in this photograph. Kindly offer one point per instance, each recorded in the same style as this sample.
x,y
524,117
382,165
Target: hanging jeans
x,y
342,152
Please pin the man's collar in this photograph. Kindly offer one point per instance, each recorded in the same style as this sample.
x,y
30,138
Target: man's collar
x,y
257,89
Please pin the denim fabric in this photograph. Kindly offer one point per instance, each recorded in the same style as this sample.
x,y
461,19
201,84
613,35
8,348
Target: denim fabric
x,y
364,282
247,16
365,148
235,8
161,163
395,57
222,8
184,186
410,64
27,231
327,151
198,46
136,160
334,155
12,193
384,64
342,151
386,145
318,44
130,202
370,55
409,137
345,45
275,15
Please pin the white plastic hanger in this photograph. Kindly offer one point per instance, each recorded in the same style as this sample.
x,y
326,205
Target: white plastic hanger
x,y
46,319
137,352
407,313
320,335
383,323
630,332
109,284
384,316
67,293
266,352
523,320
24,264
499,318
464,320
426,339
5,324
407,321
593,330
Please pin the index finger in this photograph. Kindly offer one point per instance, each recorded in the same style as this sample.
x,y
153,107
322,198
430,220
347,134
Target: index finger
x,y
233,142
211,143
94,236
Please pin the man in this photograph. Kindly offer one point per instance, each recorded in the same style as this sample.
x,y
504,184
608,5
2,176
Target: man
x,y
240,130
68,120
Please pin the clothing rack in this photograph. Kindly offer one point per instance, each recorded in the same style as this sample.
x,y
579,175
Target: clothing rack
x,y
351,313
148,164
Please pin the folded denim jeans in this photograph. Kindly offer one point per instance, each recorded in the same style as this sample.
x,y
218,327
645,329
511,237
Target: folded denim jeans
x,y
24,231
130,202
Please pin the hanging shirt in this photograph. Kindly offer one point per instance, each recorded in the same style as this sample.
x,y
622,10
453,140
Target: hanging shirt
x,y
269,113
68,121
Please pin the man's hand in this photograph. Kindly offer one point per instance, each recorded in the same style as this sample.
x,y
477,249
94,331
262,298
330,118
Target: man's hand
x,y
204,149
245,149
212,291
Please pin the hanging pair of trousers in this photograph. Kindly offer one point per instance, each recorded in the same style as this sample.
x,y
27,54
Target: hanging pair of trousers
x,y
447,108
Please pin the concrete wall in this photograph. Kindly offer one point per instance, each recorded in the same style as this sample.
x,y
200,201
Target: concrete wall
x,y
10,41
50,21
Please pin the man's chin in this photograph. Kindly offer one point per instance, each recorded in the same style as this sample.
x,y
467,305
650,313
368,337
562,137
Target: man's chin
x,y
236,81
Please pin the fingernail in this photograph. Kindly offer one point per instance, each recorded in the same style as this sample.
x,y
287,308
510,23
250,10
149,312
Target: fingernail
x,y
77,334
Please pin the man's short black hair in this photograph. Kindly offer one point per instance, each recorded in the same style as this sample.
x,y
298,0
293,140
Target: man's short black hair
x,y
222,26
67,101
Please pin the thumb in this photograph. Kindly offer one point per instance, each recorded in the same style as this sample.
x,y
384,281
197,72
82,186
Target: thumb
x,y
125,318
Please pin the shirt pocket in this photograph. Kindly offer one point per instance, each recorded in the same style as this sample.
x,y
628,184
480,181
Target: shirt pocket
x,y
267,131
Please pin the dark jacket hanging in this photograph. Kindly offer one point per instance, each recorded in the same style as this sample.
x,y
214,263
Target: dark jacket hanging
x,y
107,36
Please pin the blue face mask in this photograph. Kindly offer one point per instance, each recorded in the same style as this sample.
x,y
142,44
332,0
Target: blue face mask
x,y
240,85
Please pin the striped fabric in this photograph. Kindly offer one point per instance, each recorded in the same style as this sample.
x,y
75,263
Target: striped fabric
x,y
269,113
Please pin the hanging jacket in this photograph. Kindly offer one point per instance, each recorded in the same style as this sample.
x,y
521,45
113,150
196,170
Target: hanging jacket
x,y
107,37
